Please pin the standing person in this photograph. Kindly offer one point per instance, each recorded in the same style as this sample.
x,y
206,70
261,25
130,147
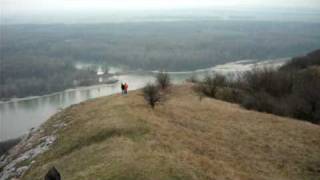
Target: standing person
x,y
126,88
122,88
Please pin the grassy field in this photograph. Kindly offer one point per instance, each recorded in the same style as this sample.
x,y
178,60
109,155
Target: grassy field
x,y
121,138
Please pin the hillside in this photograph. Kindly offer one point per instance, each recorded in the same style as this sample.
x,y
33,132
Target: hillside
x,y
303,62
121,138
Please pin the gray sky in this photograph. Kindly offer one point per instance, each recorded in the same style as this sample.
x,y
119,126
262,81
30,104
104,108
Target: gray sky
x,y
23,6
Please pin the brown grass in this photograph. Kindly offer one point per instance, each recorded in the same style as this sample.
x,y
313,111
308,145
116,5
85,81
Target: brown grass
x,y
122,138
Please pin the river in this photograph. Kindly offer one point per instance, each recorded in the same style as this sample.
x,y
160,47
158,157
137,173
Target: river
x,y
18,116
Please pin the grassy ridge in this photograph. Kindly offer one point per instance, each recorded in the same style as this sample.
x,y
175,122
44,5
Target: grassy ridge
x,y
122,138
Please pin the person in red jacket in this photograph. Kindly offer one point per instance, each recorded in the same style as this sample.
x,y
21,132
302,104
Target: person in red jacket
x,y
126,88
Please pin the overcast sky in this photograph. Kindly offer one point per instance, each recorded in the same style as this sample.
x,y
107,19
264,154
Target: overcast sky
x,y
16,6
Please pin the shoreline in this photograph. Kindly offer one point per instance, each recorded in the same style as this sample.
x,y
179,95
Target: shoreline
x,y
13,100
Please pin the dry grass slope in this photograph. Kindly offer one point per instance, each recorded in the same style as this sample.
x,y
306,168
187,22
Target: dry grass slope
x,y
122,138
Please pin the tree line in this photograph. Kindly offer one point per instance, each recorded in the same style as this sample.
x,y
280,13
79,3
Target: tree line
x,y
171,46
31,76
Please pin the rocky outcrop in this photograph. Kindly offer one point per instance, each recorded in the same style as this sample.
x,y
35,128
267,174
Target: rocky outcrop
x,y
20,158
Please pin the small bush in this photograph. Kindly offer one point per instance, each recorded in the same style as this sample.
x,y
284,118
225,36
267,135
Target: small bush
x,y
209,86
163,80
229,94
152,95
260,101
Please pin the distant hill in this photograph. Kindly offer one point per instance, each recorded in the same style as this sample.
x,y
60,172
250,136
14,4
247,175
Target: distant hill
x,y
121,138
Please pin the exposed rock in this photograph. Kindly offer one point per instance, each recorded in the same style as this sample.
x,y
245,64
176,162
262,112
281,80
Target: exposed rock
x,y
22,169
20,158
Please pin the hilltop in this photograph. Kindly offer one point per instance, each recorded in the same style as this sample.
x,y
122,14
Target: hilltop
x,y
120,137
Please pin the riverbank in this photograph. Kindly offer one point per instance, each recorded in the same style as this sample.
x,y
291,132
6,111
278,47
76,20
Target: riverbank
x,y
119,137
8,100
18,117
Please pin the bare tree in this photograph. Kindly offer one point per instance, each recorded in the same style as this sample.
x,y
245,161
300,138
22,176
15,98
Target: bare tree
x,y
151,94
163,80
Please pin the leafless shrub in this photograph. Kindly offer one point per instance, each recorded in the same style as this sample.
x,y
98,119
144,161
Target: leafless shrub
x,y
260,101
209,86
307,91
229,94
269,80
152,95
163,80
286,93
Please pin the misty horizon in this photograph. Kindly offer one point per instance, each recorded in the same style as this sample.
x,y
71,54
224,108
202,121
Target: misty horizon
x,y
97,11
87,17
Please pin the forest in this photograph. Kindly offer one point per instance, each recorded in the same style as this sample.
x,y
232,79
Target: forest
x,y
31,77
39,59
